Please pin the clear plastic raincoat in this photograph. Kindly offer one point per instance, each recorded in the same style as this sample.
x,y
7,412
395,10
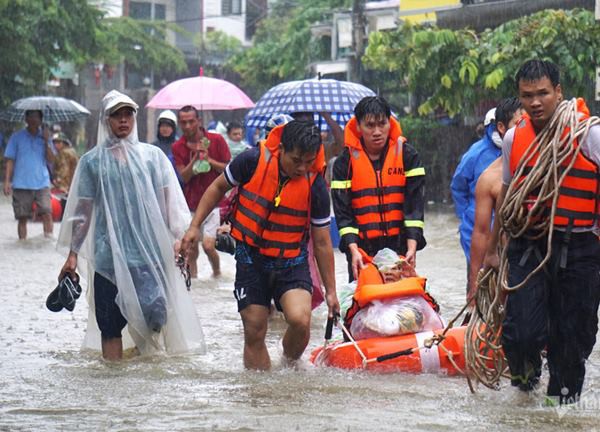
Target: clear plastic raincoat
x,y
123,216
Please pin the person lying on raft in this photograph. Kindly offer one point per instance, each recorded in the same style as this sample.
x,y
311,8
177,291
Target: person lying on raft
x,y
388,299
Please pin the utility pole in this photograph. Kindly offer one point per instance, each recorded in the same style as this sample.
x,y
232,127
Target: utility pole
x,y
358,40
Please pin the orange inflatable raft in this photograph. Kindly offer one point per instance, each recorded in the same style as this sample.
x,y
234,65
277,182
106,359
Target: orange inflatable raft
x,y
408,352
397,353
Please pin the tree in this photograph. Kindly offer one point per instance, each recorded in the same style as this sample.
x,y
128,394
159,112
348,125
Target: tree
x,y
38,34
142,44
283,46
455,70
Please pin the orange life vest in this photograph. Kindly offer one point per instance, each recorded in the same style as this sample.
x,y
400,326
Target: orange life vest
x,y
377,197
577,204
271,217
370,286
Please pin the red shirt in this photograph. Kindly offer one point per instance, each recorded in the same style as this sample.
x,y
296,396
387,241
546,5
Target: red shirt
x,y
195,188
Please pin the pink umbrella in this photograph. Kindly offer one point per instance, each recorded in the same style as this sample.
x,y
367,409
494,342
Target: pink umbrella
x,y
202,92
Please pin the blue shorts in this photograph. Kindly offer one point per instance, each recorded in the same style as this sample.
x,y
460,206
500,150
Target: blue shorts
x,y
256,285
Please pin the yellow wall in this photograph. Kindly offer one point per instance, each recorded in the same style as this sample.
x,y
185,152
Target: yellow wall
x,y
424,9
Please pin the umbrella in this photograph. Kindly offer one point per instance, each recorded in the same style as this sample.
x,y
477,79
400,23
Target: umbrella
x,y
56,109
202,92
312,95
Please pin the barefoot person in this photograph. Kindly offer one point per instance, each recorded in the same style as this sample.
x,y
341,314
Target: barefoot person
x,y
124,213
281,195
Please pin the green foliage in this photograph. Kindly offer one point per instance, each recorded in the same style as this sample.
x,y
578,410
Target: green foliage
x,y
216,47
454,70
143,44
283,46
36,35
439,63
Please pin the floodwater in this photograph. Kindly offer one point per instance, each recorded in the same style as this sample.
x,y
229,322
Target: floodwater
x,y
48,384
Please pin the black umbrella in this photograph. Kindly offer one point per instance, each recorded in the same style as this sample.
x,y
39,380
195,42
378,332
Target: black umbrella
x,y
56,109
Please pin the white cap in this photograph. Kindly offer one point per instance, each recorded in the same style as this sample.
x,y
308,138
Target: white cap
x,y
167,115
490,117
115,100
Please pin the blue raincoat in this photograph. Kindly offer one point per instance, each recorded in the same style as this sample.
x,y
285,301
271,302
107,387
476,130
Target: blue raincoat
x,y
479,156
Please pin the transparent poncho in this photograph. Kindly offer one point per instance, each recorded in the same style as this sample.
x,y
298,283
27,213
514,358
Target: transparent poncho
x,y
124,213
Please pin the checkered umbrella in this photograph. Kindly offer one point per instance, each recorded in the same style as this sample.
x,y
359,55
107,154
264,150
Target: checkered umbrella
x,y
311,95
56,109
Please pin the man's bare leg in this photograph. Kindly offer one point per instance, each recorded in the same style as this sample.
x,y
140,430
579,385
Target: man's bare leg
x,y
297,311
112,349
193,260
22,228
208,244
255,319
48,224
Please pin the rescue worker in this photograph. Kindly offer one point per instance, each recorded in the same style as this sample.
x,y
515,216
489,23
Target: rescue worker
x,y
477,158
377,187
281,194
557,308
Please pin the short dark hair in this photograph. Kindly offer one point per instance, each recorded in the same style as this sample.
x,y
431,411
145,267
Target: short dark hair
x,y
506,110
534,70
375,106
233,125
30,112
303,136
188,108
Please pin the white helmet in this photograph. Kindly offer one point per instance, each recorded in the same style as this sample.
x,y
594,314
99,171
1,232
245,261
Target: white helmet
x,y
168,115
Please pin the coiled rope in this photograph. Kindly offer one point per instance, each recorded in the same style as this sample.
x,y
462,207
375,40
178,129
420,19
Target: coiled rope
x,y
483,350
522,216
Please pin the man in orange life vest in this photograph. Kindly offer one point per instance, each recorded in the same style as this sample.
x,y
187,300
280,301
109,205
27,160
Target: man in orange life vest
x,y
377,187
557,308
281,194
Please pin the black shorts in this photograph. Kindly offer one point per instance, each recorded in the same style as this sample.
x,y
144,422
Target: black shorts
x,y
108,315
111,321
256,285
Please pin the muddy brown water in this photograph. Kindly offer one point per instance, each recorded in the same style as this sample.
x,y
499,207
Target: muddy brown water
x,y
48,384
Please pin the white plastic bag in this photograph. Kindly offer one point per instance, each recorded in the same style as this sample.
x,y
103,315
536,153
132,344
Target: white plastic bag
x,y
395,317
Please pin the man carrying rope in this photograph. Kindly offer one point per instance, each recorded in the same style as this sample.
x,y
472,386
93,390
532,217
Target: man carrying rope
x,y
550,265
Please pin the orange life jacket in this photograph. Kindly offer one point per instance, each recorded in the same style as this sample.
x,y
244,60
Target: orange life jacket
x,y
270,217
577,204
377,197
370,286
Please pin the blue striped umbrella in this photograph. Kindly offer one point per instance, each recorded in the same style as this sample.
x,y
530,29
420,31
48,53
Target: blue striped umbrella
x,y
56,109
312,95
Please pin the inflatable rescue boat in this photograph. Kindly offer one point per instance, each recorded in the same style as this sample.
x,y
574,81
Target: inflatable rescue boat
x,y
393,327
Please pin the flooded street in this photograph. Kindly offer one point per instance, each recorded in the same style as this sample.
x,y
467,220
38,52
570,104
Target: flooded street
x,y
48,384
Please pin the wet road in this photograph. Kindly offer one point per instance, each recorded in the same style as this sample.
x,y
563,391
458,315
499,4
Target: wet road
x,y
48,384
